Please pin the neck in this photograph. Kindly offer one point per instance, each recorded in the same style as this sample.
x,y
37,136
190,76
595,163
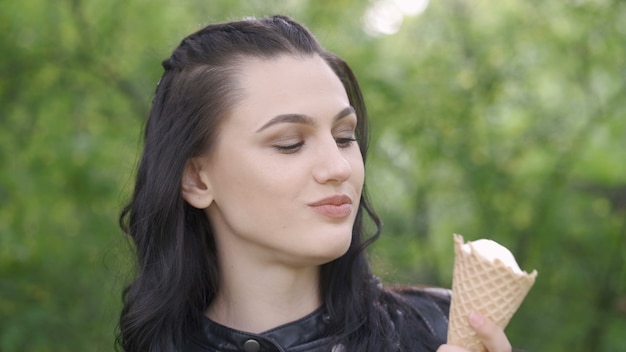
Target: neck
x,y
257,298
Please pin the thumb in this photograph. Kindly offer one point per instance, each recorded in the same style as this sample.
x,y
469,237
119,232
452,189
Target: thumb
x,y
490,334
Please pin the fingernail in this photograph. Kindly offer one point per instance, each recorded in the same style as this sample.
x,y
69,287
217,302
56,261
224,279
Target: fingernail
x,y
476,320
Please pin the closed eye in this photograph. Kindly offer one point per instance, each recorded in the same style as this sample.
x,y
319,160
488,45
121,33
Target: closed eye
x,y
344,142
289,148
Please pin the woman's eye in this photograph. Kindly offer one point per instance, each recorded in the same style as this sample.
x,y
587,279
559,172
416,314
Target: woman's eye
x,y
289,148
345,142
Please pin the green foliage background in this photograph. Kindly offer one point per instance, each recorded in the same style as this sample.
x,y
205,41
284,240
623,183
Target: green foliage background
x,y
491,119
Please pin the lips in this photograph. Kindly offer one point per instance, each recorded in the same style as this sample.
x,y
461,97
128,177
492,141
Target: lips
x,y
337,206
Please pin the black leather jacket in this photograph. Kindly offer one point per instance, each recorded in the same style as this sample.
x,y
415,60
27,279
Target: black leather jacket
x,y
309,334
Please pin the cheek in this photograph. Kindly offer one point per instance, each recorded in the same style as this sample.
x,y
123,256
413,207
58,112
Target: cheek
x,y
252,179
358,170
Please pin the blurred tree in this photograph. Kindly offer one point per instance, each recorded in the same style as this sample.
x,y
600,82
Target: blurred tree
x,y
501,120
500,113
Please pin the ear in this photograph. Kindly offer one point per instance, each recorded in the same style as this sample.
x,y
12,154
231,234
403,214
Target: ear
x,y
196,187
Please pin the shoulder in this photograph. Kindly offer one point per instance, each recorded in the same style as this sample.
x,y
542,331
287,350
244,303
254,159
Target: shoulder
x,y
430,304
423,295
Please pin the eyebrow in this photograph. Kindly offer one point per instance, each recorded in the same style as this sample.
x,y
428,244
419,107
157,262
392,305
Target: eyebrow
x,y
304,119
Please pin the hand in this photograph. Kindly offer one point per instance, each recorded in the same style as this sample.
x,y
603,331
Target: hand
x,y
491,335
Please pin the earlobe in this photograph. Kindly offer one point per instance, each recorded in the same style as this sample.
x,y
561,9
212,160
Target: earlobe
x,y
196,188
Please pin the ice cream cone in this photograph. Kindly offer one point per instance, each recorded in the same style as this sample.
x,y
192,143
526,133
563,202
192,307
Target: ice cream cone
x,y
488,287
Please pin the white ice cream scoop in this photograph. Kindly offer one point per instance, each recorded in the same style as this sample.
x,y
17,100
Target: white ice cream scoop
x,y
492,251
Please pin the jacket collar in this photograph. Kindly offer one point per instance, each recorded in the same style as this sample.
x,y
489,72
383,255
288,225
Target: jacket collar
x,y
306,334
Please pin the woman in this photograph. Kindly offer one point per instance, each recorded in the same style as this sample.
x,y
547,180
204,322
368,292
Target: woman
x,y
249,209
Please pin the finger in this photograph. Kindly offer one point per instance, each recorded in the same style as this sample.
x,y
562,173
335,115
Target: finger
x,y
450,348
490,334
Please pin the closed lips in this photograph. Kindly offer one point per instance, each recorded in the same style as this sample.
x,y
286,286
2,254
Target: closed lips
x,y
339,206
333,200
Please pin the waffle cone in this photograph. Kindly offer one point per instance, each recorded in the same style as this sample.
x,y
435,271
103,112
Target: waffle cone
x,y
479,285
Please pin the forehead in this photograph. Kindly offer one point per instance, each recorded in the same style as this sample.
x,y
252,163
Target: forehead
x,y
289,84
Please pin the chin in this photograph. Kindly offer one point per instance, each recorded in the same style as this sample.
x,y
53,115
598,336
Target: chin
x,y
336,251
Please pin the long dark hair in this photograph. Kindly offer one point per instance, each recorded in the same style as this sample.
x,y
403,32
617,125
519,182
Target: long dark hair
x,y
176,276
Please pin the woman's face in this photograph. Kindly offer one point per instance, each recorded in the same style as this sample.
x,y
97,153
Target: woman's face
x,y
285,173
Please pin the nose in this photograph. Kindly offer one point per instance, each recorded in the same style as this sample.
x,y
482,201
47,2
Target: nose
x,y
331,165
